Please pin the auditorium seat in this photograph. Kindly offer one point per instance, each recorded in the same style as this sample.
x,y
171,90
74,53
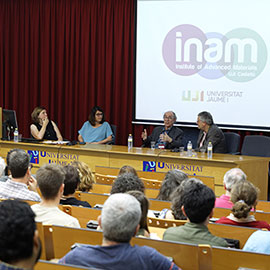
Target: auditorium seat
x,y
256,145
232,142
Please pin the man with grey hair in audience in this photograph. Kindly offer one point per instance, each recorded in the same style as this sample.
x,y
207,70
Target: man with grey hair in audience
x,y
230,178
119,221
18,162
167,136
209,132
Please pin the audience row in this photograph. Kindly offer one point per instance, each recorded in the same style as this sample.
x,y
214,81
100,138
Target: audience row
x,y
124,216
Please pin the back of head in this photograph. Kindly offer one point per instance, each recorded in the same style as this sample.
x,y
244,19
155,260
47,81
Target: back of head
x,y
206,117
72,179
120,216
50,178
127,169
36,113
232,177
18,162
144,207
244,196
171,181
16,231
198,201
177,198
86,176
126,182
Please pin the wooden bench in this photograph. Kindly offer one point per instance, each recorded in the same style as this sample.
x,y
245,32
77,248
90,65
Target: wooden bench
x,y
224,212
46,265
83,214
225,231
106,189
186,256
97,198
106,175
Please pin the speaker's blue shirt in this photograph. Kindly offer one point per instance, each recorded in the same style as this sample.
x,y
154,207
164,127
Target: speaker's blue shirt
x,y
91,134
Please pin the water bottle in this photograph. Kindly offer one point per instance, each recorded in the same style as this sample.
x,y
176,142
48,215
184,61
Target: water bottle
x,y
189,149
16,135
130,141
210,150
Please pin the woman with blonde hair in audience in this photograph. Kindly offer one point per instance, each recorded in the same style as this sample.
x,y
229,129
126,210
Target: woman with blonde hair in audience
x,y
244,196
86,176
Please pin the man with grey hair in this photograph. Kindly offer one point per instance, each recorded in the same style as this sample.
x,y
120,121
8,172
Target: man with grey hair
x,y
230,178
119,221
18,162
209,132
167,136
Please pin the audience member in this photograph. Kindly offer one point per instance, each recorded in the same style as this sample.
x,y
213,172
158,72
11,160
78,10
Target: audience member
x,y
126,182
127,169
3,171
172,180
119,221
143,231
43,128
167,136
71,182
18,162
231,177
50,179
259,242
20,247
244,196
209,132
177,201
96,130
198,203
86,176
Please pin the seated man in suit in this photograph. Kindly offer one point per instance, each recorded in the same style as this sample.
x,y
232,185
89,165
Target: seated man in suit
x,y
119,221
209,132
20,247
197,202
166,136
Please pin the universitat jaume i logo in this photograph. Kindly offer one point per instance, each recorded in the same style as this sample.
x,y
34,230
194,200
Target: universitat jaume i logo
x,y
34,156
240,55
149,166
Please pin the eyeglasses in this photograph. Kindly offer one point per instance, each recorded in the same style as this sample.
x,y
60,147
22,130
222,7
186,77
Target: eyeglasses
x,y
30,166
99,114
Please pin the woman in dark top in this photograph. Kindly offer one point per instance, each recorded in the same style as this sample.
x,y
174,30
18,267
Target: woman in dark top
x,y
43,128
72,180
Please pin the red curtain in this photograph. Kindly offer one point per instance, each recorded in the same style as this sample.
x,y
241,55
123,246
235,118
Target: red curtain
x,y
68,55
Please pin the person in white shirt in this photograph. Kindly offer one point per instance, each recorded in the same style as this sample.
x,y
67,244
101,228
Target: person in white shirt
x,y
50,178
